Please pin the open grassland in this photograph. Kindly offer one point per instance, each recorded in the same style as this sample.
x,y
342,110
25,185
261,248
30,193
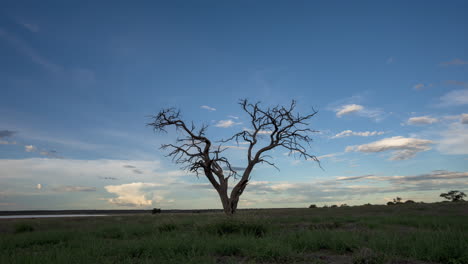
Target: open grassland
x,y
406,233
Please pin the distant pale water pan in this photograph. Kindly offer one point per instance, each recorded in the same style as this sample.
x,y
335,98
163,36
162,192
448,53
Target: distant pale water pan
x,y
49,216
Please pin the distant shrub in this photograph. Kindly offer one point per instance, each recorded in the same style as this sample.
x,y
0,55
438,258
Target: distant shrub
x,y
344,205
23,227
312,206
334,206
367,204
156,211
409,202
390,203
397,200
454,196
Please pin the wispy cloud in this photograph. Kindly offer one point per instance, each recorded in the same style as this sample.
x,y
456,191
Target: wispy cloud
x,y
458,83
74,189
33,27
454,140
403,148
226,123
454,98
209,108
6,133
348,109
418,86
422,120
29,52
390,60
347,133
454,62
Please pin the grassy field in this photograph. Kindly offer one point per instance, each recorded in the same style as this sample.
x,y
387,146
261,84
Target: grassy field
x,y
407,233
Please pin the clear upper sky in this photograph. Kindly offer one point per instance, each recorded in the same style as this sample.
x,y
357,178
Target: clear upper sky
x,y
79,79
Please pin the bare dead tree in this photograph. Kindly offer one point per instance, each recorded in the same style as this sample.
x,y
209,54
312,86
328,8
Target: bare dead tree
x,y
270,128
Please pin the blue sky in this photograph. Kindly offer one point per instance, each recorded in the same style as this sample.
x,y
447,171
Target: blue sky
x,y
80,80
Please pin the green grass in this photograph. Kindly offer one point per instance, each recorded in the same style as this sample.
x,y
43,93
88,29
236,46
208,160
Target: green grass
x,y
366,234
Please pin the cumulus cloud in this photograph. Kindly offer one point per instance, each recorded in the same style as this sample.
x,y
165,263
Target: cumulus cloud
x,y
348,109
454,140
136,194
454,62
347,133
209,108
454,98
226,123
30,148
422,120
403,148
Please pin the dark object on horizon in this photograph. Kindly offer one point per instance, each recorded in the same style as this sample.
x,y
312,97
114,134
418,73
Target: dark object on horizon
x,y
274,126
312,206
390,203
409,202
334,206
454,196
344,205
397,200
156,211
367,204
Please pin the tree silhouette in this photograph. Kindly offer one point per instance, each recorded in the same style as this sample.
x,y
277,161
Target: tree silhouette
x,y
271,127
454,196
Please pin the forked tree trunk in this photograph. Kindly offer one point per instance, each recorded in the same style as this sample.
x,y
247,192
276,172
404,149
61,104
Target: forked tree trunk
x,y
230,203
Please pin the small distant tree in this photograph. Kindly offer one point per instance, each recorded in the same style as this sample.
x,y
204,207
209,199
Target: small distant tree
x,y
343,205
312,206
334,206
390,203
409,202
397,200
454,196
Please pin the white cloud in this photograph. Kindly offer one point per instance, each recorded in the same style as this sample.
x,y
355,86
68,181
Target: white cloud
x,y
226,123
348,109
233,117
39,186
404,148
456,97
208,108
30,148
454,140
347,133
454,62
134,194
422,120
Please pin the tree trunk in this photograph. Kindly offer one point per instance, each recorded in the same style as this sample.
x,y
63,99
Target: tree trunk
x,y
230,203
